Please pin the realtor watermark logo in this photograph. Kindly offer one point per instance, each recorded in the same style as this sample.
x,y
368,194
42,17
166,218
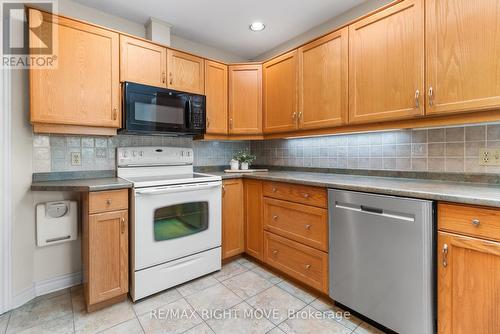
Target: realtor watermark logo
x,y
29,38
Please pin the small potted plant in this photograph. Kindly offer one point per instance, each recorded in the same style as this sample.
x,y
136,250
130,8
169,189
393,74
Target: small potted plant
x,y
245,159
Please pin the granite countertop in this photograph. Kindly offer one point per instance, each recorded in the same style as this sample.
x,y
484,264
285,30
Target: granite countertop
x,y
459,192
83,185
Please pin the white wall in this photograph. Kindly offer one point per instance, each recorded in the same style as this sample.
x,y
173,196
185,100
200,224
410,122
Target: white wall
x,y
324,28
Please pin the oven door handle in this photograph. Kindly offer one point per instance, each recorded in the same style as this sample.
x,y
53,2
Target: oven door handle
x,y
178,188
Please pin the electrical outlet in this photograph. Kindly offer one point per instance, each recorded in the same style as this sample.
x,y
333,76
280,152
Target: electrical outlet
x,y
489,157
76,159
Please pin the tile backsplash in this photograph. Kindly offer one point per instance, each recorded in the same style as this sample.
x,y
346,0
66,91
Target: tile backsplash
x,y
450,150
52,153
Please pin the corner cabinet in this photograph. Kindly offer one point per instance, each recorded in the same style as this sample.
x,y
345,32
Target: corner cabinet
x,y
142,62
468,269
233,219
323,89
280,82
245,99
216,92
82,95
463,48
386,64
105,247
185,72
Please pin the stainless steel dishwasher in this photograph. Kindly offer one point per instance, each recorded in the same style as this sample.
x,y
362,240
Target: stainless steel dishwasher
x,y
381,258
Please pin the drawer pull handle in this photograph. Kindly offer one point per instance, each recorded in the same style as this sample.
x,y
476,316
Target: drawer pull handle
x,y
274,189
275,252
445,255
308,266
306,195
108,201
275,217
476,222
308,226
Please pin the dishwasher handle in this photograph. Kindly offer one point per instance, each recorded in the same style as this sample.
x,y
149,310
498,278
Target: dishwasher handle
x,y
371,209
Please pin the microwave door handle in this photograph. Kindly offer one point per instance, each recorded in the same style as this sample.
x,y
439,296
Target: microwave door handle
x,y
189,115
178,189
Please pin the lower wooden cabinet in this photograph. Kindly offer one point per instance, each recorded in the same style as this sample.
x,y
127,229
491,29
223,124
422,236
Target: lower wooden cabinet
x,y
105,248
301,262
233,219
253,218
468,285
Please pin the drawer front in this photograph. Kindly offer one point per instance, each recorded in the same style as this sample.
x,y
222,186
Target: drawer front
x,y
103,201
297,193
299,222
476,221
303,263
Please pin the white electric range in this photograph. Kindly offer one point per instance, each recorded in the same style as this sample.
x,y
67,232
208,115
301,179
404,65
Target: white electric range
x,y
176,218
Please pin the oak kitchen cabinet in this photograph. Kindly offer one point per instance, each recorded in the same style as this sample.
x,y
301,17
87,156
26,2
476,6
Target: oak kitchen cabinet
x,y
142,62
253,218
280,80
386,64
105,247
216,91
462,50
82,95
323,88
468,269
185,72
245,99
233,219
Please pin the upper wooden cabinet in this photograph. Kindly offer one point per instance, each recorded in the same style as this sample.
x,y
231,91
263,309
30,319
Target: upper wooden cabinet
x,y
143,62
468,285
216,93
386,64
323,71
280,93
233,218
185,72
245,99
463,49
82,94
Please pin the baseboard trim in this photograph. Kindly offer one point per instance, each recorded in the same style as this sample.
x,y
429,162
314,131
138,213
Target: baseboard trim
x,y
45,287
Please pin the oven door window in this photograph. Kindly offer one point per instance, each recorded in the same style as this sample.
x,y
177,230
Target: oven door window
x,y
180,220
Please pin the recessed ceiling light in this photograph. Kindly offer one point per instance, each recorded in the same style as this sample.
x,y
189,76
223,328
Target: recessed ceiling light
x,y
257,26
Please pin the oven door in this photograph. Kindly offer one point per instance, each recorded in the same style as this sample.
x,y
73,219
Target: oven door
x,y
153,110
175,221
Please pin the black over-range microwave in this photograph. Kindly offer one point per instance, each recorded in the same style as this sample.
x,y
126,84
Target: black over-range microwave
x,y
155,111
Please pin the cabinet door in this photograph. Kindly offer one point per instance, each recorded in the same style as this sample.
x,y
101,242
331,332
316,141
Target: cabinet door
x,y
233,220
108,255
280,93
142,62
462,49
386,64
84,87
253,218
468,285
245,99
323,70
185,72
216,93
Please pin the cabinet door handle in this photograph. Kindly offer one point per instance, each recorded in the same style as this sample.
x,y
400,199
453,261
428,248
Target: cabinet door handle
x,y
208,122
417,99
308,226
275,217
230,123
307,266
445,255
275,252
123,226
223,190
306,195
115,113
163,77
171,76
476,222
431,96
274,189
108,201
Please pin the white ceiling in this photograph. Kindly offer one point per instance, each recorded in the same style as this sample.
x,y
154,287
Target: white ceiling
x,y
224,23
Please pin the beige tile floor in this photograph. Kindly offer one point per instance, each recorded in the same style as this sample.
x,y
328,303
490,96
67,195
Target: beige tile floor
x,y
241,298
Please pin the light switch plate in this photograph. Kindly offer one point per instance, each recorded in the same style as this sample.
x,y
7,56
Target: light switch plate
x,y
489,157
76,159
